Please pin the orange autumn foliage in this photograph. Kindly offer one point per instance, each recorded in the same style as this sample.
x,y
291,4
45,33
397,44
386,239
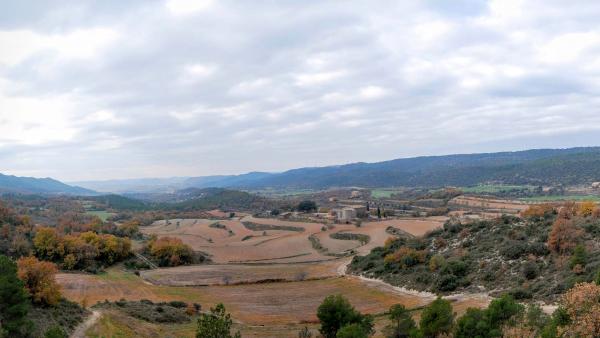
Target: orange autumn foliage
x,y
563,236
38,277
406,256
171,251
537,211
582,303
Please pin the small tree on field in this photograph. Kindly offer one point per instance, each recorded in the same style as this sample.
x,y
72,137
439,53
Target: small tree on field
x,y
336,312
437,318
402,323
216,324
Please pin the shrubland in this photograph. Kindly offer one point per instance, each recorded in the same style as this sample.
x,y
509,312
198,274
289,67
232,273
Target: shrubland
x,y
539,255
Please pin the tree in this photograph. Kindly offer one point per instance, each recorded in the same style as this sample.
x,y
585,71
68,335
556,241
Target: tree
x,y
216,324
563,236
579,257
474,323
307,206
402,323
437,318
39,280
171,251
14,302
48,244
352,331
336,312
503,309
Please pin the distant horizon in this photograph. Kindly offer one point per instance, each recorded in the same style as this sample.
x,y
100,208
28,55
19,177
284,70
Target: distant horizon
x,y
341,164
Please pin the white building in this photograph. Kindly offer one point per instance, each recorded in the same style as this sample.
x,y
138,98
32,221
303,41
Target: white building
x,y
345,214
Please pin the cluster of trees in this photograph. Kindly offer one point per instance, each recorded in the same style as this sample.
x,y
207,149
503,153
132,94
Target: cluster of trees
x,y
28,282
307,206
577,316
170,251
15,233
86,250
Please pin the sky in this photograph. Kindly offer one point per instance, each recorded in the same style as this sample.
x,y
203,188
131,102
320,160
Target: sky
x,y
93,90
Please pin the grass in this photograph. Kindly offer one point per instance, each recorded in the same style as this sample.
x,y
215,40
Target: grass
x,y
494,188
383,193
102,214
117,324
594,198
283,192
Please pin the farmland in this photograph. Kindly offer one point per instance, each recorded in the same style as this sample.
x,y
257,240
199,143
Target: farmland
x,y
277,304
274,278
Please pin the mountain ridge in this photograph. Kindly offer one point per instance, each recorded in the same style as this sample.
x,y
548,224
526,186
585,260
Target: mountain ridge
x,y
47,185
535,166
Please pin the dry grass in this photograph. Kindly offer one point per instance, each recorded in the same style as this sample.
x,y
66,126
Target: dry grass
x,y
272,303
230,274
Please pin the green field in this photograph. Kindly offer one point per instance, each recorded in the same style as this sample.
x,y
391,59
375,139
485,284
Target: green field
x,y
559,198
383,193
494,188
282,192
102,214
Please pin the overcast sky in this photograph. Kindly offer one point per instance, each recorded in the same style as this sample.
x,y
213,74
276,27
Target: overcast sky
x,y
123,89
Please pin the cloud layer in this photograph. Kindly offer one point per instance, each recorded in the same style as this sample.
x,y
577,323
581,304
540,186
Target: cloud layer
x,y
117,89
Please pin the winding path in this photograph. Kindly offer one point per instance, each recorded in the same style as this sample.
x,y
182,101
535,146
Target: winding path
x,y
89,322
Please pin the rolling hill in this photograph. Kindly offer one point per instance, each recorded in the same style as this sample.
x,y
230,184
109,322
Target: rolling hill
x,y
31,185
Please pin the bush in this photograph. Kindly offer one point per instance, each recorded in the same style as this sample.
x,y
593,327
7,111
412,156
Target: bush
x,y
447,283
530,270
55,332
520,293
171,312
514,249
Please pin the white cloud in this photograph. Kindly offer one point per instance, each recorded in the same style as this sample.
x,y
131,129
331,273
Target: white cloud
x,y
186,7
311,79
167,88
372,92
79,44
568,47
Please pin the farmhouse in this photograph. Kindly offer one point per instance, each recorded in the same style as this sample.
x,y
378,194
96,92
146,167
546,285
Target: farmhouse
x,y
345,214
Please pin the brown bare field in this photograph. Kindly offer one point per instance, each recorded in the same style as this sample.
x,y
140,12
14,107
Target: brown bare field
x,y
237,244
231,274
270,303
416,227
495,205
242,244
